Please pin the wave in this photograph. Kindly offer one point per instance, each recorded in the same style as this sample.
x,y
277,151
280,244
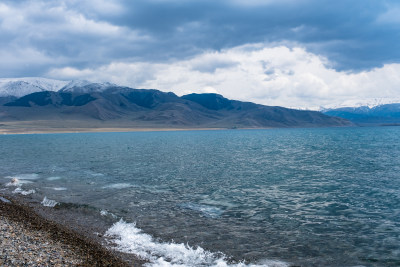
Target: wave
x,y
16,182
94,174
130,239
26,176
118,186
19,190
49,202
206,210
59,188
53,178
107,213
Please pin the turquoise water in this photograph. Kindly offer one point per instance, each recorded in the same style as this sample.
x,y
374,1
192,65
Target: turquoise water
x,y
308,197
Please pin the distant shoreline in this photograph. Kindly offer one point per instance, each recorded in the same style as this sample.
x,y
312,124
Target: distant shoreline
x,y
105,130
54,127
53,130
98,130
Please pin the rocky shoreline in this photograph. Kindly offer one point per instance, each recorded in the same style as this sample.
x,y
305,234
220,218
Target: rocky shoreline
x,y
28,239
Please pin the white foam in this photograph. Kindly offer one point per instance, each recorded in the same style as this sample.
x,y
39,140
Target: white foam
x,y
16,182
20,182
19,190
53,178
273,263
59,188
130,239
26,176
13,182
49,202
118,186
207,210
103,213
107,213
95,174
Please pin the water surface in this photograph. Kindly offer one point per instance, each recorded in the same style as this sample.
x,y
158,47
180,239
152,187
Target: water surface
x,y
310,197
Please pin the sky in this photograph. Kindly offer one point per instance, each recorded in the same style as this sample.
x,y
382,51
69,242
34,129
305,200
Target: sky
x,y
292,53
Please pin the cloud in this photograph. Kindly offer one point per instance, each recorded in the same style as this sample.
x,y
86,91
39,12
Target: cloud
x,y
346,32
391,16
63,36
210,62
353,35
301,53
280,75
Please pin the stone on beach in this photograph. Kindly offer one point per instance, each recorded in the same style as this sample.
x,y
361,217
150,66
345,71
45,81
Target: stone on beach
x,y
22,247
27,239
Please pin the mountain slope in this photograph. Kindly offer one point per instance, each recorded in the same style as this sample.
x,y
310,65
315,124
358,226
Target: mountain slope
x,y
242,114
111,104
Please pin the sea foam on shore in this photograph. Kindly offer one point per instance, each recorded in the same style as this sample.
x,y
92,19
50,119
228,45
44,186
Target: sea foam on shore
x,y
130,239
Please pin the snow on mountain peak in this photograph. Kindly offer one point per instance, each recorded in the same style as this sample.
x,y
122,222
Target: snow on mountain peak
x,y
84,86
19,87
356,103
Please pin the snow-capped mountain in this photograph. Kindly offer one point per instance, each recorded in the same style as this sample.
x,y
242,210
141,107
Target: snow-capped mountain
x,y
364,115
19,87
357,103
84,86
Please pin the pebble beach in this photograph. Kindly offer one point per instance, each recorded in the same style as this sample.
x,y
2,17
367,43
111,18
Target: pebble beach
x,y
23,247
27,239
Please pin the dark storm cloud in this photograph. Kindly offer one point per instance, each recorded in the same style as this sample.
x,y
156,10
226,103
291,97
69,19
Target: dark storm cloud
x,y
347,32
38,35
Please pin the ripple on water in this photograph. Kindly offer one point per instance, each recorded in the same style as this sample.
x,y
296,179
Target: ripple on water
x,y
117,186
206,210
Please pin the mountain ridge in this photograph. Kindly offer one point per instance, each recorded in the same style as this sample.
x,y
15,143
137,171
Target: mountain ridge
x,y
111,104
364,115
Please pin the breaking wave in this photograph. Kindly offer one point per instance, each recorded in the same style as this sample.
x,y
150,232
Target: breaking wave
x,y
49,202
130,239
18,180
19,190
107,213
26,176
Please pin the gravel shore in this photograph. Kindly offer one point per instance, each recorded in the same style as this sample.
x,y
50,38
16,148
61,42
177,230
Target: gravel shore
x,y
27,239
22,247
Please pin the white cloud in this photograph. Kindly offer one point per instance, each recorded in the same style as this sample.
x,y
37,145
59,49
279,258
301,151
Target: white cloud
x,y
20,58
257,3
38,35
10,18
103,7
70,73
266,75
53,20
77,23
391,16
209,89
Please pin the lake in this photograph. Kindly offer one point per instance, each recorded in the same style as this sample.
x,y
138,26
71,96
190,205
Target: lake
x,y
277,197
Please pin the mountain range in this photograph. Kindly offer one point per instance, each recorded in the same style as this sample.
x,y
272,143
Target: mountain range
x,y
387,114
86,104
